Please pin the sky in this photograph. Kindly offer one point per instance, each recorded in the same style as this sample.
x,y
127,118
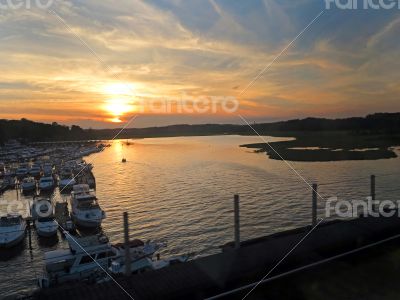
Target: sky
x,y
100,63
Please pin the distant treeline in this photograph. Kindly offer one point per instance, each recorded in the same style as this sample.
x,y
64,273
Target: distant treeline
x,y
386,123
29,131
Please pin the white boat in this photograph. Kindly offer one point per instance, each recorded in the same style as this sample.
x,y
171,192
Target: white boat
x,y
46,183
21,172
28,184
35,170
141,255
42,212
88,257
66,183
86,211
48,170
12,230
46,226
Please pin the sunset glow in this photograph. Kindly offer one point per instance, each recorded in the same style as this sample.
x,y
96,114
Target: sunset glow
x,y
212,48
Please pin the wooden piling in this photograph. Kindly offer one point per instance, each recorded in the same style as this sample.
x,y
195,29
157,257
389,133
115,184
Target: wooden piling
x,y
373,195
314,204
237,222
127,252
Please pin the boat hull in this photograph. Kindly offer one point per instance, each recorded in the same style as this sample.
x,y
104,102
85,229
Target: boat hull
x,y
13,242
85,222
46,233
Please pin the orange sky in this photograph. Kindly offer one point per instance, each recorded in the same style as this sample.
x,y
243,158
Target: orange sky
x,y
143,55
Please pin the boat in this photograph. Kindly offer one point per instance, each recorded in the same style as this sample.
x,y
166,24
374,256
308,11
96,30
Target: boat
x,y
28,185
83,260
46,183
21,172
88,257
35,170
86,211
12,230
42,212
48,170
141,256
124,160
66,183
9,181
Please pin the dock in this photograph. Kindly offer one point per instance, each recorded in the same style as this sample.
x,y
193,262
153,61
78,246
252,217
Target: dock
x,y
62,216
244,265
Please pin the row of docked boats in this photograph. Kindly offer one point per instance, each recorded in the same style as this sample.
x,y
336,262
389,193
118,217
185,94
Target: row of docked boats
x,y
87,259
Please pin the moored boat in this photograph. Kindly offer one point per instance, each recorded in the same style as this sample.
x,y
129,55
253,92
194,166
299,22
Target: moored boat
x,y
28,185
46,184
12,230
86,211
42,212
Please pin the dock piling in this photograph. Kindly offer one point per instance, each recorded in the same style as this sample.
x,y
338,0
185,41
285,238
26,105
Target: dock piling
x,y
314,204
127,253
373,195
237,222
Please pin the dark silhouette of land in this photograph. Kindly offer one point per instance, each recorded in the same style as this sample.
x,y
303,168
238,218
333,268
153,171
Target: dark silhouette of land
x,y
315,139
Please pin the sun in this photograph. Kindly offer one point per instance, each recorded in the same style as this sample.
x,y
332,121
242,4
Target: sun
x,y
117,108
120,101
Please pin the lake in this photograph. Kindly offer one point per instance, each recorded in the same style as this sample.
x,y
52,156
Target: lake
x,y
180,190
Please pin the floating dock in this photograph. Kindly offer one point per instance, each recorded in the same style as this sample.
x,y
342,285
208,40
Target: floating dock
x,y
235,267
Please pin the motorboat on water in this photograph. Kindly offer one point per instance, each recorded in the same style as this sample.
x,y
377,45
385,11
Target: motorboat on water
x,y
88,257
142,258
42,212
46,226
48,170
46,183
28,184
12,230
35,170
21,172
86,211
83,260
66,183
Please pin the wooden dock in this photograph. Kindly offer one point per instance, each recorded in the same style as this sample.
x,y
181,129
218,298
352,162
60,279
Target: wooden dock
x,y
233,268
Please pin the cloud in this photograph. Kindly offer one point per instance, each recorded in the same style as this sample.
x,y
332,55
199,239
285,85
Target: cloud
x,y
215,47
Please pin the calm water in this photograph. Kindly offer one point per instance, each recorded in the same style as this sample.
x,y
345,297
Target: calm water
x,y
180,190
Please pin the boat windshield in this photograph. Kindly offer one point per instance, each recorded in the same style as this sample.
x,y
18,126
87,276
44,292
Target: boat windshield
x,y
46,180
90,203
9,221
46,219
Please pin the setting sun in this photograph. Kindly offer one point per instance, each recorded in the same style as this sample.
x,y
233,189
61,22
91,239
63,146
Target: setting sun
x,y
120,103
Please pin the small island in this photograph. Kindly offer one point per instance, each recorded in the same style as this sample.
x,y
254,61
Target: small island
x,y
328,146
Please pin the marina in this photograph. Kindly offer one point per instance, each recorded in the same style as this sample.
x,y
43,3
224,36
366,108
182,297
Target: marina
x,y
179,255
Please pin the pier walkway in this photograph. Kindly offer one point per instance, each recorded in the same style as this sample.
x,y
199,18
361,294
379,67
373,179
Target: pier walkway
x,y
215,274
